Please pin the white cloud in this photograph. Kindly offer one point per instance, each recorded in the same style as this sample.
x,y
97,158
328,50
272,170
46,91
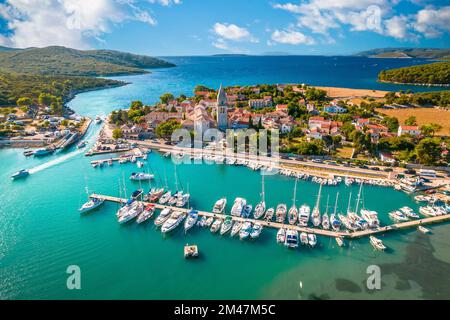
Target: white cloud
x,y
233,32
71,23
291,36
397,27
432,22
165,3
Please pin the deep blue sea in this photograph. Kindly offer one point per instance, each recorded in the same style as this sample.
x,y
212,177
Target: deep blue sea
x,y
41,232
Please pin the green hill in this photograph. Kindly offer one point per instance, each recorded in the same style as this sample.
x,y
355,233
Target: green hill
x,y
65,61
434,73
424,53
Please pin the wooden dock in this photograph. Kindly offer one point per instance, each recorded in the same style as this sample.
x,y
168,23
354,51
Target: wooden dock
x,y
277,225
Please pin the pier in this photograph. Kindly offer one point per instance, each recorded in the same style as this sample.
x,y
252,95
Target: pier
x,y
317,231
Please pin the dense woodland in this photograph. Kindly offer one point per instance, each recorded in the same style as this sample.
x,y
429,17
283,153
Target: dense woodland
x,y
434,73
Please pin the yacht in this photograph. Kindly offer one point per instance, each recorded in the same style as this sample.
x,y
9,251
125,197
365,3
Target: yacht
x,y
377,243
238,207
91,205
244,233
315,216
20,174
260,207
312,239
81,145
141,176
427,211
291,240
304,238
325,222
132,213
139,164
280,214
293,215
226,225
281,235
259,210
165,197
335,222
340,241
398,216
219,206
174,221
256,231
216,225
155,194
191,220
136,194
371,217
42,152
236,228
269,214
163,216
208,222
146,214
98,120
183,200
174,199
247,211
304,213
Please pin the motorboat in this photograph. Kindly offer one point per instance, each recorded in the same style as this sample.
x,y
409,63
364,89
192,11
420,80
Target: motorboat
x,y
81,145
247,211
269,214
377,243
427,211
165,197
174,199
173,222
280,213
304,238
315,215
304,214
127,206
244,233
291,240
371,217
398,216
183,200
132,213
236,228
407,211
216,225
163,216
191,220
325,221
219,206
238,207
42,152
293,215
91,205
226,225
20,174
281,235
312,239
141,176
256,230
340,241
139,164
155,194
423,229
147,214
208,222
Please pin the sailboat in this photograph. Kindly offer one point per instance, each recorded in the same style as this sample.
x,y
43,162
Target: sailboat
x,y
91,204
260,207
325,219
353,216
315,216
335,222
293,211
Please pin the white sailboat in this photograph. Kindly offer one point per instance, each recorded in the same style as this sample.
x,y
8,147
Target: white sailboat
x,y
315,216
335,222
293,211
260,207
325,218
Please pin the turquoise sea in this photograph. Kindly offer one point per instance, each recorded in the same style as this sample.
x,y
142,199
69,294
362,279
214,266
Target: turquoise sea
x,y
41,232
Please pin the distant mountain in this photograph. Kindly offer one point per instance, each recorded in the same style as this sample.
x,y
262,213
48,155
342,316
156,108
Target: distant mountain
x,y
276,53
57,60
425,53
230,55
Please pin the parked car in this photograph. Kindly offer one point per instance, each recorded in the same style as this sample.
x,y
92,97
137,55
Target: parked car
x,y
409,171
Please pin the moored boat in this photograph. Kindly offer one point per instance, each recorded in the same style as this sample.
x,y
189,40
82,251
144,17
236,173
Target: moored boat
x,y
377,243
216,225
312,239
304,238
236,228
163,216
238,207
256,230
280,214
147,214
219,206
191,220
244,233
304,214
269,214
91,205
173,222
226,225
281,235
291,240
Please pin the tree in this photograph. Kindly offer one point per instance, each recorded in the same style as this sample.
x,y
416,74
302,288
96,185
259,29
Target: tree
x,y
136,105
428,151
24,102
46,99
391,122
411,121
166,97
165,129
429,130
117,133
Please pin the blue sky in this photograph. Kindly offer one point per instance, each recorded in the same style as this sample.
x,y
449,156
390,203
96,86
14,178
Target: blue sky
x,y
197,27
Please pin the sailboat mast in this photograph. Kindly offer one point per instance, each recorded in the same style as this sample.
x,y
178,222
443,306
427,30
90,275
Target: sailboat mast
x,y
176,179
262,194
318,197
349,200
358,198
336,202
124,186
328,199
295,192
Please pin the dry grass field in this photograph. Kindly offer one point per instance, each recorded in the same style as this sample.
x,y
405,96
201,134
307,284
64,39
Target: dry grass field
x,y
334,92
423,116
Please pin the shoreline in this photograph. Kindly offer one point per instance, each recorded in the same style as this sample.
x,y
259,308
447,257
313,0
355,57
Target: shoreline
x,y
444,85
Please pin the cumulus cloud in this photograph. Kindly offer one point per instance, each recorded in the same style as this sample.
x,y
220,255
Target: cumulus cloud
x,y
233,32
291,36
432,22
71,23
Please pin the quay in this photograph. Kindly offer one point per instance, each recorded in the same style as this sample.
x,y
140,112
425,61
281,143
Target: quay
x,y
317,231
134,153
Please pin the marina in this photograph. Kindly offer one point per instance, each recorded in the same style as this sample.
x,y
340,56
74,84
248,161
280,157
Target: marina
x,y
278,225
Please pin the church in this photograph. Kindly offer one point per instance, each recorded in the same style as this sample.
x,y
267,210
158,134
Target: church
x,y
222,110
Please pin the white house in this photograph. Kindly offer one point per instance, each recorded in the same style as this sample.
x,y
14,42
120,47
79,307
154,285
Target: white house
x,y
412,130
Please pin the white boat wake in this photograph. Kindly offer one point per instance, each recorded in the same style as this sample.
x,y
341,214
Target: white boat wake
x,y
55,162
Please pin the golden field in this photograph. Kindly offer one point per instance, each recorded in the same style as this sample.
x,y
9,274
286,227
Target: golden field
x,y
423,116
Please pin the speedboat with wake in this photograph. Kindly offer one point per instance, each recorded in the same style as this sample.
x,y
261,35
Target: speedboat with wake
x,y
20,174
141,176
